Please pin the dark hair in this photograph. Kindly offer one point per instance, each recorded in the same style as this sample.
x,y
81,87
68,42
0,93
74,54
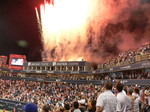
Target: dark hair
x,y
125,89
119,87
75,105
108,85
137,90
61,109
46,108
93,103
67,106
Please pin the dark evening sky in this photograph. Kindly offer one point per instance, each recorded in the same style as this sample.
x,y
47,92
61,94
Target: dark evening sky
x,y
18,29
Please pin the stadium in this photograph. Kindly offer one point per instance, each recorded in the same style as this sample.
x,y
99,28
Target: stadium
x,y
80,75
88,62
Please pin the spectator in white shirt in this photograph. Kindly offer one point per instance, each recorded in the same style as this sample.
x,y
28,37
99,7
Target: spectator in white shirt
x,y
106,101
122,98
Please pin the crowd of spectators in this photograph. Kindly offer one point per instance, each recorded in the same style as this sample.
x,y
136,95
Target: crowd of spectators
x,y
126,57
72,77
63,97
54,94
59,76
2,73
133,75
118,75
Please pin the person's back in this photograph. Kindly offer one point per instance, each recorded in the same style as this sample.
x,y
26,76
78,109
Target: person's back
x,y
122,103
122,99
107,101
129,104
132,98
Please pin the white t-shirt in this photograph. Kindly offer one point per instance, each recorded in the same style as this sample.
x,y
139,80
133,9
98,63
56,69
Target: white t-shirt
x,y
77,110
124,92
122,102
108,101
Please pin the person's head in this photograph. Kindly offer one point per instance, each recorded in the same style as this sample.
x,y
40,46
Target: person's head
x,y
136,90
91,104
46,108
129,91
61,109
76,105
30,107
67,107
119,87
108,85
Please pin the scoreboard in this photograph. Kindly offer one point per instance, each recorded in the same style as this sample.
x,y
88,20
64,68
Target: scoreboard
x,y
16,61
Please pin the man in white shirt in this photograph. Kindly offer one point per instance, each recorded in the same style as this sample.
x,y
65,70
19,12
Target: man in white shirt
x,y
122,98
106,101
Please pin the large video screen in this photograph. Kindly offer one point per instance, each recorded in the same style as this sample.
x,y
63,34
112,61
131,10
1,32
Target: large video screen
x,y
17,61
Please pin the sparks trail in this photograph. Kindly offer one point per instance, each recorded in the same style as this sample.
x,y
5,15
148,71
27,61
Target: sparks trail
x,y
91,30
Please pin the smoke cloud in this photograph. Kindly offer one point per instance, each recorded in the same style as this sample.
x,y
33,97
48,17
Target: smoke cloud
x,y
112,27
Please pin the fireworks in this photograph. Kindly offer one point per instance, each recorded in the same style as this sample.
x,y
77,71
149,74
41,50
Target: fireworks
x,y
62,26
79,29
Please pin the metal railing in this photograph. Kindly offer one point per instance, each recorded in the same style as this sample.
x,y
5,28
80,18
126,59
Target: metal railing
x,y
10,105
